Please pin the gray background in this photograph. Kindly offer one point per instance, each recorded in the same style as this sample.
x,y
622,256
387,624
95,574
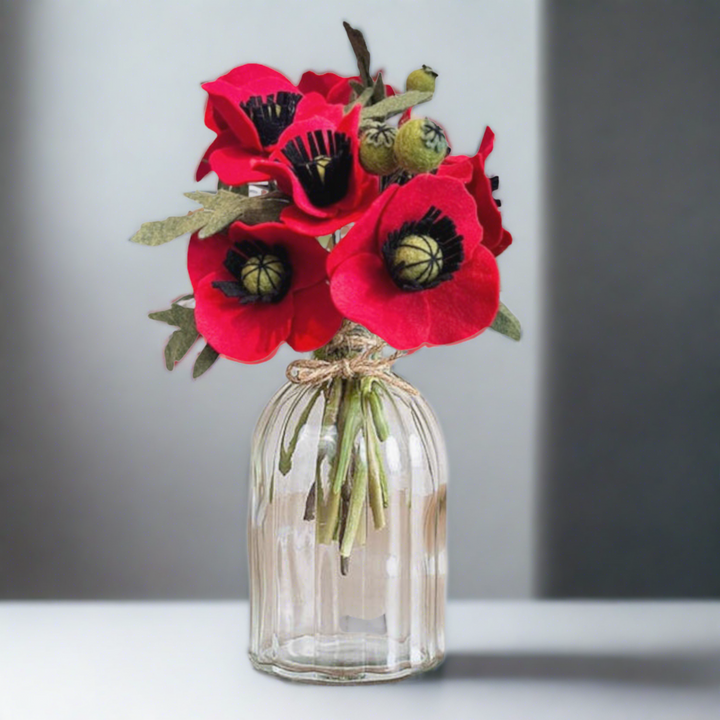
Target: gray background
x,y
631,491
585,461
122,480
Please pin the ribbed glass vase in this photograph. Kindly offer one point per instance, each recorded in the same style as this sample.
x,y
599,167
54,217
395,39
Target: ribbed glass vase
x,y
347,533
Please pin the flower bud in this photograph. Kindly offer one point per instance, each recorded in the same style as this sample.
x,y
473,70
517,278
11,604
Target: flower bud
x,y
422,79
376,148
420,145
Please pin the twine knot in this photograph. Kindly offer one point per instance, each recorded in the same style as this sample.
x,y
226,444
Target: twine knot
x,y
337,363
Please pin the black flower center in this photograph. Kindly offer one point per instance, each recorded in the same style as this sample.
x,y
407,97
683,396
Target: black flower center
x,y
272,114
262,273
322,162
423,253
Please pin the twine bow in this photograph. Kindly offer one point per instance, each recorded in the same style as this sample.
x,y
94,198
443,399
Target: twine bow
x,y
350,338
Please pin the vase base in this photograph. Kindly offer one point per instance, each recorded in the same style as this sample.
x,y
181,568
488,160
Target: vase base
x,y
343,674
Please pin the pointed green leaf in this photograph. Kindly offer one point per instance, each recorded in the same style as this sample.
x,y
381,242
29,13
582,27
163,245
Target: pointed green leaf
x,y
506,324
162,231
360,48
205,360
178,346
178,314
226,207
395,105
379,91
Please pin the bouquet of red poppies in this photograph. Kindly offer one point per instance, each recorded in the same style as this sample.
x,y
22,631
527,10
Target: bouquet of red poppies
x,y
341,223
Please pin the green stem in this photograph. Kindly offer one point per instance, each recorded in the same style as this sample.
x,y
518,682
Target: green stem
x,y
286,455
378,413
355,507
374,466
350,427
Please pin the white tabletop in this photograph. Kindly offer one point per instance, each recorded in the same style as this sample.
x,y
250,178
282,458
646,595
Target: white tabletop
x,y
515,660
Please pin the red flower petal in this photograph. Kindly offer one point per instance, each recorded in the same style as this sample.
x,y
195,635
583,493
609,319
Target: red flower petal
x,y
448,195
362,237
206,257
364,292
250,72
487,210
247,333
225,99
504,244
316,318
456,166
467,304
307,257
318,83
234,165
315,105
487,143
300,222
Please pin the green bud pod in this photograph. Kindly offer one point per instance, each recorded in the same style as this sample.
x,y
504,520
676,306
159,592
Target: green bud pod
x,y
422,79
420,145
376,148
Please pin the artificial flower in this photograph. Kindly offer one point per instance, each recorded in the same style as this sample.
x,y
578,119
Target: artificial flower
x,y
471,171
317,163
334,88
413,270
259,286
248,108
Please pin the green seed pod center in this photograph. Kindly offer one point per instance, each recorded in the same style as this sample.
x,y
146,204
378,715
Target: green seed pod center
x,y
418,259
263,275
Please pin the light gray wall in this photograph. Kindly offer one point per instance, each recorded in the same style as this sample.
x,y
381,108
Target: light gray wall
x,y
122,480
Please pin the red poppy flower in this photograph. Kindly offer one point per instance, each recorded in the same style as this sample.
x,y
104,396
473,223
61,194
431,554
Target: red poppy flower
x,y
317,162
413,269
249,108
471,171
334,88
259,286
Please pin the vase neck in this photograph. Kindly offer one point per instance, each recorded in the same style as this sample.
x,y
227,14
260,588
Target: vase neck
x,y
349,341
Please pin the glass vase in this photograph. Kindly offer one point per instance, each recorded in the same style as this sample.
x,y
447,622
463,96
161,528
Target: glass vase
x,y
346,533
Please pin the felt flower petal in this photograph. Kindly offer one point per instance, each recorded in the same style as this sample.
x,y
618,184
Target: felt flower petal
x,y
250,72
486,144
312,82
448,195
234,165
247,333
317,226
465,306
487,210
363,291
362,237
456,166
316,319
205,257
225,99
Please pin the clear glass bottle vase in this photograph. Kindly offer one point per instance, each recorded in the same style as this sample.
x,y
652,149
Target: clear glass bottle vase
x,y
346,533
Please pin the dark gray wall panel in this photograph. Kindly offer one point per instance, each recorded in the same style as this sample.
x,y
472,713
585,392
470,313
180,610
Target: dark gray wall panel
x,y
631,493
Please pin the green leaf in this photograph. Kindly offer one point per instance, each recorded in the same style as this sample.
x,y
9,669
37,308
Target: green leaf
x,y
226,207
362,99
379,91
360,48
178,315
506,324
395,105
205,360
162,231
178,346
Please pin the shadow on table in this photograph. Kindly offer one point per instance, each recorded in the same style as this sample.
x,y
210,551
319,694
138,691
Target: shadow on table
x,y
671,670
